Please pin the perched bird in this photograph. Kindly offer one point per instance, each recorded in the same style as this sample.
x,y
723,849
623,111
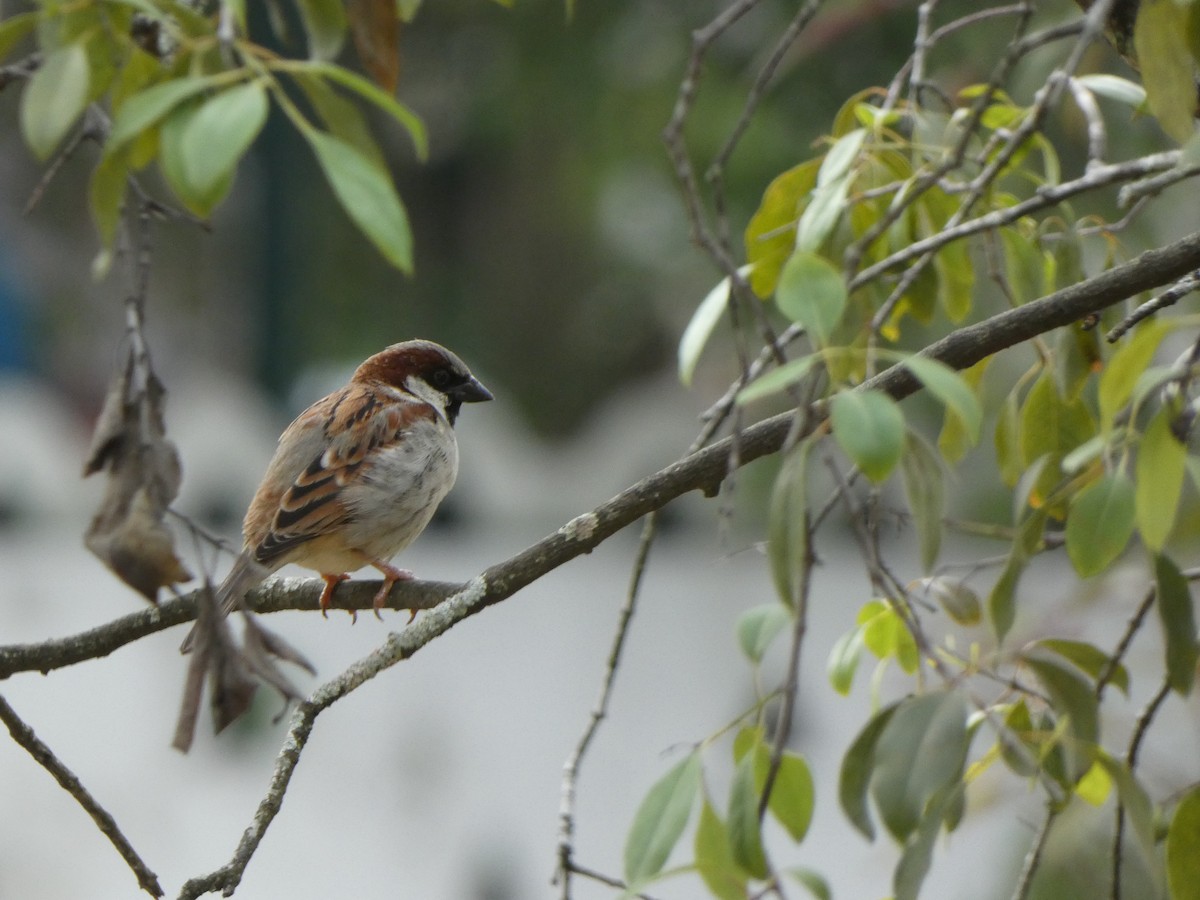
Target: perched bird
x,y
359,474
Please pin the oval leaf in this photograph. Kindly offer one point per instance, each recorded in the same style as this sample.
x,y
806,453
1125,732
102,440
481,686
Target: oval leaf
x,y
758,627
812,293
1161,462
660,820
368,196
858,767
745,834
714,857
54,98
1100,523
217,136
701,326
1179,624
920,752
869,427
1183,848
792,795
923,485
147,107
951,389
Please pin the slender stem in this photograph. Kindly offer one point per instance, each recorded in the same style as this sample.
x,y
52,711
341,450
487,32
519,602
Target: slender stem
x,y
69,782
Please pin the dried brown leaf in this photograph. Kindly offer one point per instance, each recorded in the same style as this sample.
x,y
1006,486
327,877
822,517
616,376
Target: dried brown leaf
x,y
375,29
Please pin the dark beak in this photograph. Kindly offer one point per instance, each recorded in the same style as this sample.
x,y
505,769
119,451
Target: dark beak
x,y
470,391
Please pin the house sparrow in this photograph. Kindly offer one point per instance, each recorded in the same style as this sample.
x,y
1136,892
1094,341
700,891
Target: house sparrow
x,y
359,474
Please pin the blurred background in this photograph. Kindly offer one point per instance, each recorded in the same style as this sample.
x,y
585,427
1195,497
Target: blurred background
x,y
552,254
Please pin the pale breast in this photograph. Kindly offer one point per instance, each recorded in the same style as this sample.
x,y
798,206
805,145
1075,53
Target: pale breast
x,y
397,493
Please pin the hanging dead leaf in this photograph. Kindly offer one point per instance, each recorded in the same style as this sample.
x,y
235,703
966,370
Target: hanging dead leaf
x,y
375,29
128,533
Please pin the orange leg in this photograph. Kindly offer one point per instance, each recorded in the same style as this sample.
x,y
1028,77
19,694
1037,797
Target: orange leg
x,y
390,576
331,582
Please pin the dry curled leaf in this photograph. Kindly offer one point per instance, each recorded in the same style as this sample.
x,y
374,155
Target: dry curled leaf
x,y
129,443
375,28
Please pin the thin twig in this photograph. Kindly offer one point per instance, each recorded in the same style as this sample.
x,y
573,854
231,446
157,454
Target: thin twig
x,y
69,782
566,819
1034,857
1169,297
1131,629
1131,755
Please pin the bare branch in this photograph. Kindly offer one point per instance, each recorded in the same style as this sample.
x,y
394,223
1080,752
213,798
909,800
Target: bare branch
x,y
703,470
67,780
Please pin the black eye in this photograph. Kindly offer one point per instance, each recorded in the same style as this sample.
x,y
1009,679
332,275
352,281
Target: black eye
x,y
442,378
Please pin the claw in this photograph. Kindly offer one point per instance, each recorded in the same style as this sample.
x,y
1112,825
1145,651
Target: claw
x,y
390,576
331,582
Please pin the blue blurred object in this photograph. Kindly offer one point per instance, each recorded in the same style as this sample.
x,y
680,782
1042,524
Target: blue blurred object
x,y
15,352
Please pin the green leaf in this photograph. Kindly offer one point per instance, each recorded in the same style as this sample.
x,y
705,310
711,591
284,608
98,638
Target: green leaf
x,y
812,882
325,25
792,795
1121,374
700,328
951,389
1001,603
1159,38
1161,462
1100,523
770,236
843,660
747,740
958,600
106,191
758,627
869,427
660,820
1018,733
1183,848
745,835
368,196
923,485
1114,88
1008,439
886,635
1051,426
955,279
812,293
714,857
1071,696
828,198
340,116
1179,624
954,440
777,380
787,526
376,95
920,751
1139,809
858,768
14,29
148,107
1088,657
54,98
217,136
918,851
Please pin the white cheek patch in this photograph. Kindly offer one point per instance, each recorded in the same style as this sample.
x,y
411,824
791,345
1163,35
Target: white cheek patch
x,y
423,389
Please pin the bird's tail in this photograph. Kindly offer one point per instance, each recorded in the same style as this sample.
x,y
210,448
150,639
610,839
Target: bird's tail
x,y
245,574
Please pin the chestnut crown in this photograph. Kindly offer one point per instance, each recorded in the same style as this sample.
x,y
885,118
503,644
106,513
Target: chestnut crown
x,y
423,366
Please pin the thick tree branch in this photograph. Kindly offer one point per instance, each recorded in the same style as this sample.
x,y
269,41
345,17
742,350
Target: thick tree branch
x,y
703,470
